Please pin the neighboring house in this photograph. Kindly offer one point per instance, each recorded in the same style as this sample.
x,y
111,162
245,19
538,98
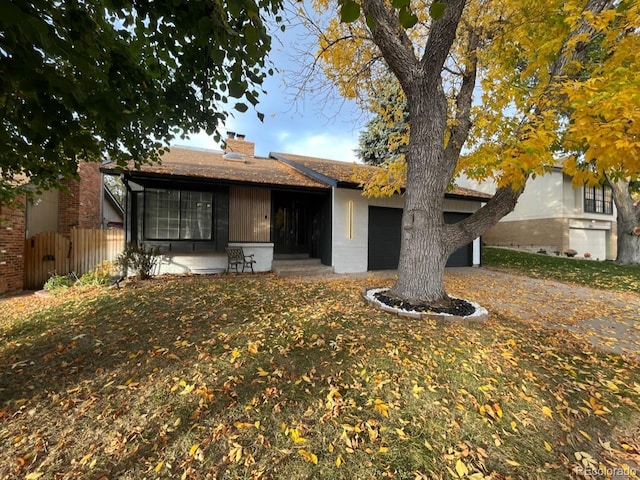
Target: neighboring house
x,y
51,211
554,216
197,202
112,211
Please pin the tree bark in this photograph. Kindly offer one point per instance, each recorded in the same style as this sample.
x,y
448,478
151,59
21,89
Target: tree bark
x,y
628,222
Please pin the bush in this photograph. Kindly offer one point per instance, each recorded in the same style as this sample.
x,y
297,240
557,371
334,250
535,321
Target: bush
x,y
56,283
139,259
101,275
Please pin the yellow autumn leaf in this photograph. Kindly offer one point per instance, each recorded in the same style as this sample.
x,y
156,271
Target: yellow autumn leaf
x,y
547,446
241,425
339,460
296,437
194,449
461,468
612,386
513,463
308,456
262,372
585,434
187,389
381,407
547,412
235,453
159,466
33,475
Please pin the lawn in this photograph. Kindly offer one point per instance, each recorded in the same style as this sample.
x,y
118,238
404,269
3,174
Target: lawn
x,y
606,275
257,377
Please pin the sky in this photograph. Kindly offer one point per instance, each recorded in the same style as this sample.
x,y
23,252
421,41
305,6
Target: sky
x,y
325,127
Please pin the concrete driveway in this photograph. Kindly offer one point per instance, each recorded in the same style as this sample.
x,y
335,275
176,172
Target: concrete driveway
x,y
610,320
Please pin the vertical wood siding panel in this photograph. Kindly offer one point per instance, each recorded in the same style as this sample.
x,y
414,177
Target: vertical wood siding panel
x,y
249,214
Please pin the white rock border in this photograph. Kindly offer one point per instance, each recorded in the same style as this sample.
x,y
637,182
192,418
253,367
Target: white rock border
x,y
480,315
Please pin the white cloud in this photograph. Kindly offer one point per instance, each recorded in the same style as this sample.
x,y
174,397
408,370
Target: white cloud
x,y
322,145
199,140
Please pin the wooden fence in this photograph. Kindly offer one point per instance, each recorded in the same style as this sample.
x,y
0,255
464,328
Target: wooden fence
x,y
51,253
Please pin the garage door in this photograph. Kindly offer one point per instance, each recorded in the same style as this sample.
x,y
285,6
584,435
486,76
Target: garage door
x,y
385,226
586,240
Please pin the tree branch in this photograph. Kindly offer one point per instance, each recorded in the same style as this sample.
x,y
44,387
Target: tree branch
x,y
392,39
464,101
465,231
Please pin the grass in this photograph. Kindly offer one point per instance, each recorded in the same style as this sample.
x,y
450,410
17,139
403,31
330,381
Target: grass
x,y
257,377
605,275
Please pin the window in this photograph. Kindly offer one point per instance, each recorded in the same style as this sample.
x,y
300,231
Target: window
x,y
178,215
598,199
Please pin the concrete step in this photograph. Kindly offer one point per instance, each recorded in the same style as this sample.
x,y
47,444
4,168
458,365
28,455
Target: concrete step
x,y
307,267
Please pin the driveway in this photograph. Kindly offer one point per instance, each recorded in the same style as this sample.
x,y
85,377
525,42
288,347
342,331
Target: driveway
x,y
610,320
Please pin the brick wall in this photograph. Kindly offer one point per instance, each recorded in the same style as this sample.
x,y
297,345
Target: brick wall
x,y
551,234
80,207
89,212
68,206
237,143
12,226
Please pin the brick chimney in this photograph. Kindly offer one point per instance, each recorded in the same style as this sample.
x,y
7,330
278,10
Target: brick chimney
x,y
237,143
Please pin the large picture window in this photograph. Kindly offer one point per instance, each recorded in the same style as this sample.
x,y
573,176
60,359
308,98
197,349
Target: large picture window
x,y
598,199
178,215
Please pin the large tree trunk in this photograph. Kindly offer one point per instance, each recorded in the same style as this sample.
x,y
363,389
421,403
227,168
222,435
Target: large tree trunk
x,y
424,248
427,242
628,223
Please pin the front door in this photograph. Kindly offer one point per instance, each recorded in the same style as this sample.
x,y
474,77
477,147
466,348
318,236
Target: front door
x,y
291,224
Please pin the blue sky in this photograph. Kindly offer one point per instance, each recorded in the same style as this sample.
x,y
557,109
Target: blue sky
x,y
320,127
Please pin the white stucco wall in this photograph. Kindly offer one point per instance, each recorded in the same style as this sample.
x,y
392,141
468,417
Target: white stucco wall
x,y
349,255
548,196
215,262
543,197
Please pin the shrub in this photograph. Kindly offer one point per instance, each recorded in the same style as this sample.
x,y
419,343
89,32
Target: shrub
x,y
101,275
570,252
139,259
56,283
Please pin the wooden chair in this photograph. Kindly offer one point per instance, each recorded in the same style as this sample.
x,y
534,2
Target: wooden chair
x,y
237,258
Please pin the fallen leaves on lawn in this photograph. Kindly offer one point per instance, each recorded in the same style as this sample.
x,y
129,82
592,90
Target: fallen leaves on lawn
x,y
256,377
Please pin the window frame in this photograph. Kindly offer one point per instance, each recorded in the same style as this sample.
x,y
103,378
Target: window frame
x,y
179,221
598,199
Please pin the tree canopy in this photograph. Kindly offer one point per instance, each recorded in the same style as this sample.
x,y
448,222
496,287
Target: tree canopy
x,y
523,61
120,78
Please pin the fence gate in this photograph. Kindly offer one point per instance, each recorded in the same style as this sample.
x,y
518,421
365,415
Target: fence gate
x,y
45,254
51,253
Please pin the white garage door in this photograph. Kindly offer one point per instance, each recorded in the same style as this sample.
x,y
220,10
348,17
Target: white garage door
x,y
586,240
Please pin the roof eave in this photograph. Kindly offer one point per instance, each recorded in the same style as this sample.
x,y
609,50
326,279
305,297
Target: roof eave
x,y
168,177
318,177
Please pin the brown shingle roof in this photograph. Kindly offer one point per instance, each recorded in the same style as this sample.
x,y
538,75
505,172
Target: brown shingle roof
x,y
343,172
192,162
199,163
